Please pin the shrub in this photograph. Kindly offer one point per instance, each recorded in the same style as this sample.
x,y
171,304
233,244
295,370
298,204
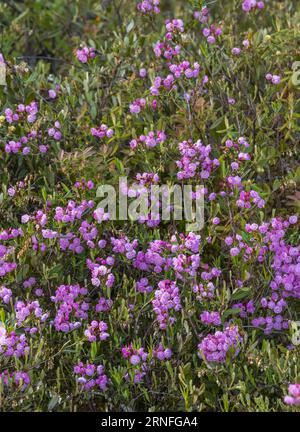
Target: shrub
x,y
103,314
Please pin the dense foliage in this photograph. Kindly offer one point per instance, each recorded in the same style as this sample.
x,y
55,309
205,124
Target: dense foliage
x,y
101,314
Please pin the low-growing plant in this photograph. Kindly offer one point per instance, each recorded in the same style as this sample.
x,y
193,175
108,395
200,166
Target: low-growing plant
x,y
103,313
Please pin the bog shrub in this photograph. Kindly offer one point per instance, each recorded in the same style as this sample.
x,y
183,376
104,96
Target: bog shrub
x,y
100,313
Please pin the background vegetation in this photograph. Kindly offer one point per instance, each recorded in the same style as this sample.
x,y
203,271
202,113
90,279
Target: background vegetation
x,y
38,41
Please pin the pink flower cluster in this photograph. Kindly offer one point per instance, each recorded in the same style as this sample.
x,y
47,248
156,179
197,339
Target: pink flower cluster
x,y
72,211
29,282
274,79
137,358
8,234
136,106
214,347
166,50
103,305
210,318
55,131
23,112
13,345
18,379
152,139
195,160
249,5
123,245
211,33
5,294
245,309
91,376
286,281
16,146
206,289
24,310
71,305
166,298
247,198
102,131
85,54
203,15
13,190
6,267
84,184
101,273
100,215
173,27
96,331
162,353
148,6
293,398
33,137
185,68
144,286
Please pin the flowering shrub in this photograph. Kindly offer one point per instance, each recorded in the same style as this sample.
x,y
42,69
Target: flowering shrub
x,y
294,395
113,314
